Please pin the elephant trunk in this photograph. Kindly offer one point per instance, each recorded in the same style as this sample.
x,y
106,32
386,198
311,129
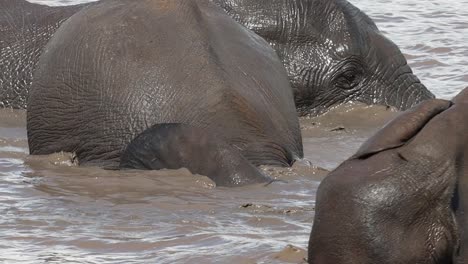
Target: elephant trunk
x,y
395,84
409,91
398,88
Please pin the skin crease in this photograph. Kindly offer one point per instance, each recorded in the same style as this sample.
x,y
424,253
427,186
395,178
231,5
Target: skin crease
x,y
185,145
402,197
25,29
333,53
140,63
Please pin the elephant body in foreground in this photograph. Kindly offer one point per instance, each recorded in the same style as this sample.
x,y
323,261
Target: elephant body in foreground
x,y
117,68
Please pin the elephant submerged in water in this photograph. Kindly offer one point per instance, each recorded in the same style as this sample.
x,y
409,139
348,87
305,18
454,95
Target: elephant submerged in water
x,y
402,198
333,52
163,84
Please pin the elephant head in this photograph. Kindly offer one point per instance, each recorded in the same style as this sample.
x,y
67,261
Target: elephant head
x,y
333,53
401,198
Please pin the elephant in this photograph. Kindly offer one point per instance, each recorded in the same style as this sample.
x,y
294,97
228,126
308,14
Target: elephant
x,y
163,84
402,197
25,28
333,53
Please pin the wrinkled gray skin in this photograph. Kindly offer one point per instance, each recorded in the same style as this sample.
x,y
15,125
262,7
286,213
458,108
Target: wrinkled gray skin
x,y
226,166
402,197
25,29
333,53
119,67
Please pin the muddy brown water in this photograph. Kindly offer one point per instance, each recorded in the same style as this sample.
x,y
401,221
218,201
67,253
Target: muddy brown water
x,y
55,212
52,211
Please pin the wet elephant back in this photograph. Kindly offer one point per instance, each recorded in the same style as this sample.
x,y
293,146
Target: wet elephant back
x,y
25,29
118,67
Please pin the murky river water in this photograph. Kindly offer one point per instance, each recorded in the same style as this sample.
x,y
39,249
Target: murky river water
x,y
54,212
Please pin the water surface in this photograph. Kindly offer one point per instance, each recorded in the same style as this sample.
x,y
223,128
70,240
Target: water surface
x,y
54,212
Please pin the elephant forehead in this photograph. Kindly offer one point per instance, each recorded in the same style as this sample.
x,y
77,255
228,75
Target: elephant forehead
x,y
344,26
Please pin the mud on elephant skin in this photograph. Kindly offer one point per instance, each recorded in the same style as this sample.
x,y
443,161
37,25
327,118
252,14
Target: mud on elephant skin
x,y
137,64
220,162
25,29
402,197
333,53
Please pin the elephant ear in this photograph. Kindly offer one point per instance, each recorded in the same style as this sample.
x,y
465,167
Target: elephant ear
x,y
174,146
401,129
